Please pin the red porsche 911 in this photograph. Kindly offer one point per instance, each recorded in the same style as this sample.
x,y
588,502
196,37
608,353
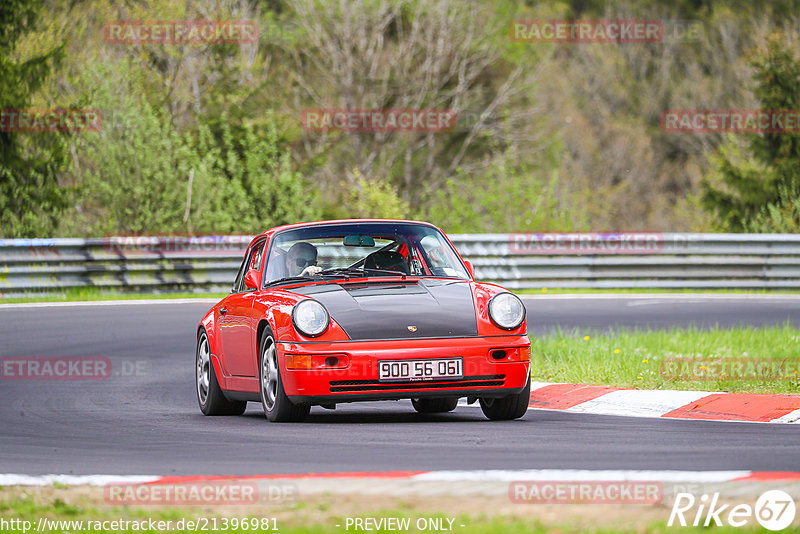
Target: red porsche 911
x,y
361,310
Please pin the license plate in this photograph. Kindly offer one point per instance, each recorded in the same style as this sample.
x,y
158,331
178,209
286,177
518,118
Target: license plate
x,y
418,370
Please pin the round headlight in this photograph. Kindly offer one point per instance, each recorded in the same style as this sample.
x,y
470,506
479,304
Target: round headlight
x,y
506,310
310,318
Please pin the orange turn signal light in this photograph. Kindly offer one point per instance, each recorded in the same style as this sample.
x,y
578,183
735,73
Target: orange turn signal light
x,y
317,361
511,354
298,361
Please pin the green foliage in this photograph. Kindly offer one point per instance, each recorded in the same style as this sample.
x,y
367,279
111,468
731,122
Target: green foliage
x,y
508,196
136,171
549,137
737,188
18,79
130,179
783,217
252,185
258,169
758,191
30,197
366,200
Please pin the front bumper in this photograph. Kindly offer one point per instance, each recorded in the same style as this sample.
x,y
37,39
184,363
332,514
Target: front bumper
x,y
485,372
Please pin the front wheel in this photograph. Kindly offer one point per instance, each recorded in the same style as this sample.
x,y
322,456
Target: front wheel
x,y
209,394
277,406
435,405
510,407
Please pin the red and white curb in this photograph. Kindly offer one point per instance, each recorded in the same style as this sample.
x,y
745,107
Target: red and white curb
x,y
669,404
492,475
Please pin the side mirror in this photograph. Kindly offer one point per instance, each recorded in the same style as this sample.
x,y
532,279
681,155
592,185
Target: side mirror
x,y
470,268
252,279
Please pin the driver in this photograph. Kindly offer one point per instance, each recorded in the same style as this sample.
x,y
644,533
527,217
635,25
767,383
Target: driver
x,y
301,260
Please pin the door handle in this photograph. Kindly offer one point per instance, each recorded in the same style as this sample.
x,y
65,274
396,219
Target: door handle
x,y
223,311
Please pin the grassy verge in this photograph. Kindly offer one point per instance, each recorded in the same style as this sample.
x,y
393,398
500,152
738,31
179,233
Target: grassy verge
x,y
80,294
93,293
754,360
647,291
321,517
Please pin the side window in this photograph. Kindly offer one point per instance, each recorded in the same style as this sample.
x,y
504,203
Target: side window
x,y
252,261
240,276
255,261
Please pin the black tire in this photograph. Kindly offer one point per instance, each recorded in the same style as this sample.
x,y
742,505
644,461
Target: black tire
x,y
209,395
435,404
506,408
277,406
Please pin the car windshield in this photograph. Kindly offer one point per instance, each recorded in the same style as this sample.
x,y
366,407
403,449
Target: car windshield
x,y
375,249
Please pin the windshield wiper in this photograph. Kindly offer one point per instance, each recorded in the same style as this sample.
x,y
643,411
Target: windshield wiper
x,y
307,278
362,271
289,279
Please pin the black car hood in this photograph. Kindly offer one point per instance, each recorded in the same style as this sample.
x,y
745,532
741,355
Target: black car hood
x,y
398,310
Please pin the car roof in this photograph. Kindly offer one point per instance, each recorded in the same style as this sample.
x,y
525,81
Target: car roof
x,y
276,229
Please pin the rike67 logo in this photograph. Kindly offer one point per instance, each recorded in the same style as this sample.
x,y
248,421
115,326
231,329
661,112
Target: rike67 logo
x,y
774,510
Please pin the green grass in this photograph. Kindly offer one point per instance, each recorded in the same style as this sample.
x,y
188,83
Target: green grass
x,y
647,291
26,508
80,294
648,359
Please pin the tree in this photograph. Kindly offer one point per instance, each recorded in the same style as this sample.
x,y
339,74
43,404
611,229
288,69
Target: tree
x,y
409,54
757,182
30,197
133,176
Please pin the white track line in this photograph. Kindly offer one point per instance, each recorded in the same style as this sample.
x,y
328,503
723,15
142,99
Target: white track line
x,y
663,296
563,296
496,475
582,475
73,480
109,303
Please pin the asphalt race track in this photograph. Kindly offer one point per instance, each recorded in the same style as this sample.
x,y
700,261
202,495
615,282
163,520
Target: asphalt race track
x,y
144,418
603,312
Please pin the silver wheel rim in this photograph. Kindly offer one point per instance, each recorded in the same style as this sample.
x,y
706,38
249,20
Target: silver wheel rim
x,y
203,369
269,375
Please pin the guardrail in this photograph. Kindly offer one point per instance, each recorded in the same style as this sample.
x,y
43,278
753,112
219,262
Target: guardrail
x,y
616,260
